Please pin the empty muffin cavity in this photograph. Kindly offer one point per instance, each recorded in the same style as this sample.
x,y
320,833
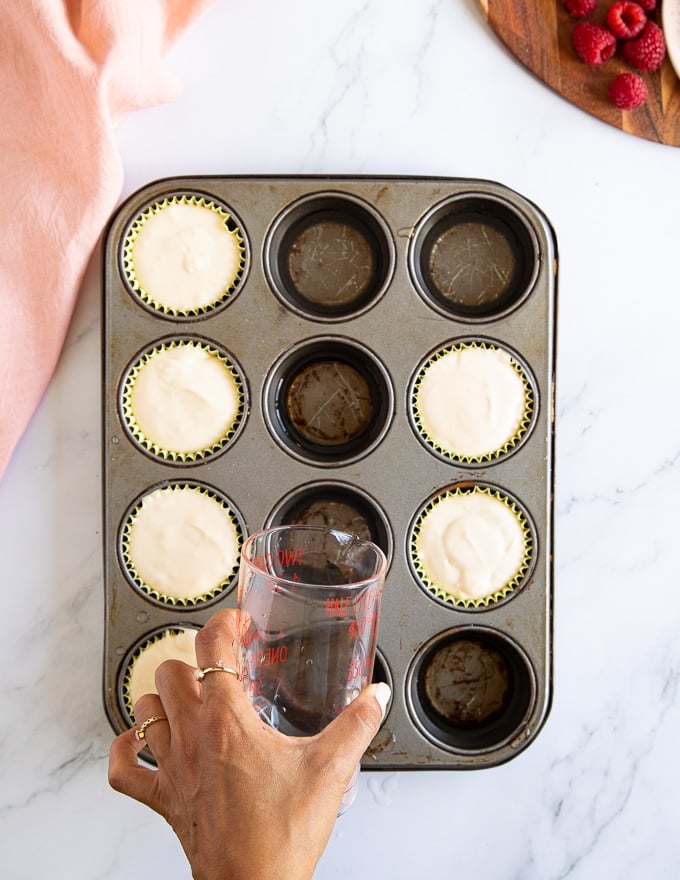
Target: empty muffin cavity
x,y
474,257
338,506
328,401
471,689
329,256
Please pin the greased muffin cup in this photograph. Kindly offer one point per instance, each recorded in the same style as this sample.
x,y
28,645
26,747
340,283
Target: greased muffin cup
x,y
471,689
355,291
328,401
474,256
336,505
357,263
184,255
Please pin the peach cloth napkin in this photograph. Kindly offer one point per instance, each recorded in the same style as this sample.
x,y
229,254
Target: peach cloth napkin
x,y
68,70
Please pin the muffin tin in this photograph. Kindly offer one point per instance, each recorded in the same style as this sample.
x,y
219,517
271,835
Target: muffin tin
x,y
348,286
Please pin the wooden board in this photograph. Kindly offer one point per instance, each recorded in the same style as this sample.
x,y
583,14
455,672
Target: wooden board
x,y
539,35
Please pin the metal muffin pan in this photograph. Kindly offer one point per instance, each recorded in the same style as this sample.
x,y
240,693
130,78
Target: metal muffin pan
x,y
372,273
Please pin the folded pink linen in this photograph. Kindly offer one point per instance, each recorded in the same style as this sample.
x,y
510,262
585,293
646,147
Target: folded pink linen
x,y
68,70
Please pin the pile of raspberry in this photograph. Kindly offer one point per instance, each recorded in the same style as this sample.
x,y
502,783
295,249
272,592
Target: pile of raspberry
x,y
626,26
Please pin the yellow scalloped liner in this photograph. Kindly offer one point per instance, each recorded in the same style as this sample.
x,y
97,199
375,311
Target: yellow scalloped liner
x,y
125,685
150,445
157,595
498,595
511,443
135,229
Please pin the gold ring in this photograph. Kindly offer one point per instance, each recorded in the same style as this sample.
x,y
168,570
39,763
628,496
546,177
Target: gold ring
x,y
140,733
200,674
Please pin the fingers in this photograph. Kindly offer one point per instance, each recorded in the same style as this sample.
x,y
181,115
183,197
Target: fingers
x,y
217,646
177,688
125,773
350,734
222,692
217,641
157,734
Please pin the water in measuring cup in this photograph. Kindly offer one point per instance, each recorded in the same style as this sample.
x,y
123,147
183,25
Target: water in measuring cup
x,y
300,681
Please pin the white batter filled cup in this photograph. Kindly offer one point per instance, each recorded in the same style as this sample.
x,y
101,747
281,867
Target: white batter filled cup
x,y
310,602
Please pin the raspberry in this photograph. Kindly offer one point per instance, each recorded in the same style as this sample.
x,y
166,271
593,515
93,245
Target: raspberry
x,y
625,19
648,51
594,44
647,5
627,91
581,8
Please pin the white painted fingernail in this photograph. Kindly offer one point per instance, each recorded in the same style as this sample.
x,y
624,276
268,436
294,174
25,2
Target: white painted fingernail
x,y
382,693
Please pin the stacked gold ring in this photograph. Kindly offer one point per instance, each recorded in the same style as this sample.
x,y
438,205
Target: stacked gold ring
x,y
140,733
200,674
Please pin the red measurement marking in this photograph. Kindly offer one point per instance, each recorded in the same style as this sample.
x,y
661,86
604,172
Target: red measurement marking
x,y
290,557
343,607
270,656
360,625
358,668
337,607
242,628
267,561
248,637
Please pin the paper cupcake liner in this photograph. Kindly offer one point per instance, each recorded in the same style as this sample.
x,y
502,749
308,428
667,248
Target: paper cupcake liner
x,y
157,595
129,265
511,443
150,445
507,589
124,687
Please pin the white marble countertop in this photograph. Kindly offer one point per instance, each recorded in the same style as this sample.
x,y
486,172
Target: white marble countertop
x,y
395,87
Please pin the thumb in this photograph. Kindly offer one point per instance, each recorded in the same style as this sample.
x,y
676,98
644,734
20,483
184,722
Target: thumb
x,y
348,736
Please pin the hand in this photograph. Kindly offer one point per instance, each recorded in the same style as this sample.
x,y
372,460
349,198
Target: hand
x,y
244,800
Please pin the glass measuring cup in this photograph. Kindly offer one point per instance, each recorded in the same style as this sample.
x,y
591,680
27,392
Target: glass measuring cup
x,y
310,611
